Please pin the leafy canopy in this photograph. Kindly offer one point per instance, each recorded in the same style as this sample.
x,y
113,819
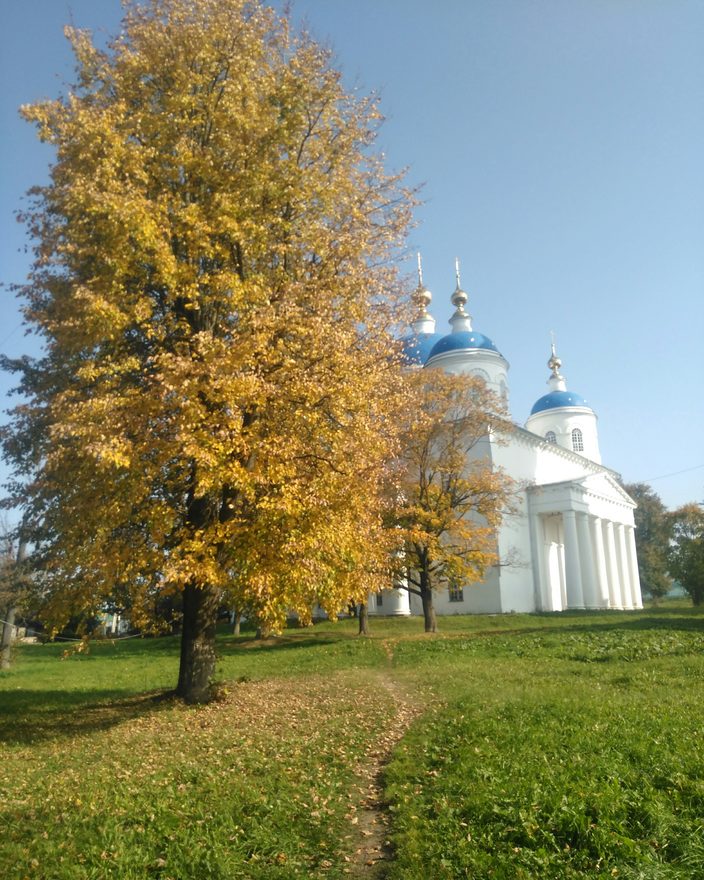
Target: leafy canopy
x,y
452,498
686,553
215,401
653,529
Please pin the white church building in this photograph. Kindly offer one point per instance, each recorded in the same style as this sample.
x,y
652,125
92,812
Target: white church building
x,y
570,544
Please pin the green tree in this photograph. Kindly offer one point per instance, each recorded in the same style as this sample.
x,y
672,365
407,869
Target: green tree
x,y
686,553
653,530
451,497
214,407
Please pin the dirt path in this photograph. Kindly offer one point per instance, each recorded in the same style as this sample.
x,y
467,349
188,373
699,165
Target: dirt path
x,y
373,850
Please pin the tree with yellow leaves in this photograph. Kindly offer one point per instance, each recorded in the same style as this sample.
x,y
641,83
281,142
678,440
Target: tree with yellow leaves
x,y
212,287
451,497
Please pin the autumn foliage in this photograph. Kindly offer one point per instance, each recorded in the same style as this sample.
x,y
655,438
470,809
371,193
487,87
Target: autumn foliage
x,y
212,287
451,497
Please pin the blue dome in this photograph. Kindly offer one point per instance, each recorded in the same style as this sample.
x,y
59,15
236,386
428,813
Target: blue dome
x,y
416,349
462,340
557,399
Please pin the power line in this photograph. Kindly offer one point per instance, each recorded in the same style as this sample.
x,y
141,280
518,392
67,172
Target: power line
x,y
10,334
674,473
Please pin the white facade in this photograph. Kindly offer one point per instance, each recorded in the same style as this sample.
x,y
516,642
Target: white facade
x,y
570,544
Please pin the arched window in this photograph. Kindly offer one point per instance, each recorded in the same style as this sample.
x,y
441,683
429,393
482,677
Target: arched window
x,y
550,437
503,392
577,440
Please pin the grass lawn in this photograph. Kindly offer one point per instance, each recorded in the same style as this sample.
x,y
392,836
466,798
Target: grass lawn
x,y
542,746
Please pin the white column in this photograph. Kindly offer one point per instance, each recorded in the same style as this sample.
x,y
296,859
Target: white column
x,y
601,572
623,566
541,582
556,599
552,558
573,567
395,602
586,555
562,577
633,567
400,604
615,600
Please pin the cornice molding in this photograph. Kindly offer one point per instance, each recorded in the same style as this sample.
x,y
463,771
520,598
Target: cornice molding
x,y
531,439
457,353
620,497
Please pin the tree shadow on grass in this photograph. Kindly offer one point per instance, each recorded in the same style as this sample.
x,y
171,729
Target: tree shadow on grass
x,y
641,621
277,643
585,622
31,716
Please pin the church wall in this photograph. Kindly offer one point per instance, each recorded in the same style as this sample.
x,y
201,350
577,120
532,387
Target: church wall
x,y
553,467
511,585
562,422
519,579
478,598
515,556
488,365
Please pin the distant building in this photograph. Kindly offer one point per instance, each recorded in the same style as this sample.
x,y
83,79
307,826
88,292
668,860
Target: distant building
x,y
113,623
570,543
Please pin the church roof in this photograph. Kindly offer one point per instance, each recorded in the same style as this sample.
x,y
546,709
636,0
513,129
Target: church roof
x,y
556,400
416,349
462,340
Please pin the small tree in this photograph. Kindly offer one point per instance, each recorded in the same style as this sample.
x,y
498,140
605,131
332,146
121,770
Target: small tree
x,y
686,553
653,530
452,498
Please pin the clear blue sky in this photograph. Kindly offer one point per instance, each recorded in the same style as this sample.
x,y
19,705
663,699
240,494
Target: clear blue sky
x,y
560,144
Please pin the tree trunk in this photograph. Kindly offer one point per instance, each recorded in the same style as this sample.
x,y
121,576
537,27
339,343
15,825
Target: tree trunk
x,y
8,629
200,612
431,624
426,595
363,619
236,621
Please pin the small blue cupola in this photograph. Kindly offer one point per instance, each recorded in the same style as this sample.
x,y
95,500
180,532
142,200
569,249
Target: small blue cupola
x,y
466,350
462,337
564,418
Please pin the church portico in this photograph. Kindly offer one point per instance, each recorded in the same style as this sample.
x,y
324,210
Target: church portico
x,y
582,555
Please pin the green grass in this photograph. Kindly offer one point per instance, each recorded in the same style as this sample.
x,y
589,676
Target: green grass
x,y
551,746
576,752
